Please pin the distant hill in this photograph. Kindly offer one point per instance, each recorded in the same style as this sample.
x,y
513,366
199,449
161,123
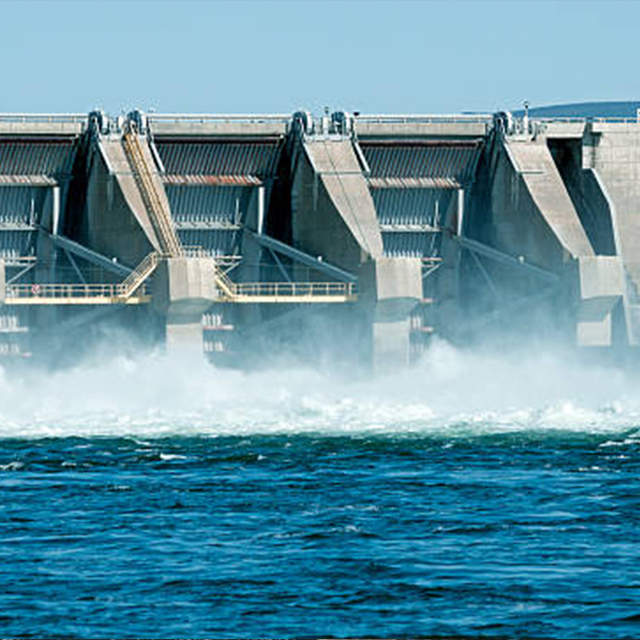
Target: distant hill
x,y
628,109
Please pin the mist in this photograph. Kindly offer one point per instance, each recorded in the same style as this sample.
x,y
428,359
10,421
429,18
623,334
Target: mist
x,y
450,391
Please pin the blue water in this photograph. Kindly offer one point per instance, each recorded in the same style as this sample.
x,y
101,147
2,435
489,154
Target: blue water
x,y
294,505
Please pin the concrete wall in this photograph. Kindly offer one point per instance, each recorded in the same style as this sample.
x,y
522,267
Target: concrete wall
x,y
203,127
535,200
540,177
412,128
317,227
336,165
612,150
112,227
585,194
30,128
517,226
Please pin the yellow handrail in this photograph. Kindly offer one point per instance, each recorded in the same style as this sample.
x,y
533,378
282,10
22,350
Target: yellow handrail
x,y
292,289
127,287
158,213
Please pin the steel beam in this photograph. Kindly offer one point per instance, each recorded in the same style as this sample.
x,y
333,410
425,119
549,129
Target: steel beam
x,y
75,266
20,273
283,271
304,258
493,254
91,256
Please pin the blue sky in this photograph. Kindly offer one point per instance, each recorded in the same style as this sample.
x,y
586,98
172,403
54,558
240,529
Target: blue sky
x,y
374,57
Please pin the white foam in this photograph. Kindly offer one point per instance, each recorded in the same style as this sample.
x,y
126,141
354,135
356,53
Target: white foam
x,y
451,391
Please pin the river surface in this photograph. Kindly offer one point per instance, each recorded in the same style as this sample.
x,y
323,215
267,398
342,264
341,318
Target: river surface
x,y
473,495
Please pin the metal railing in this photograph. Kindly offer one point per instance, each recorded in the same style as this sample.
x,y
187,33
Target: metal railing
x,y
72,118
455,118
19,261
222,262
230,291
533,125
66,291
83,118
294,289
584,119
219,117
118,292
196,251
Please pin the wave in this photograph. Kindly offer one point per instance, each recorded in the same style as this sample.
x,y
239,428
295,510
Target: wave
x,y
451,391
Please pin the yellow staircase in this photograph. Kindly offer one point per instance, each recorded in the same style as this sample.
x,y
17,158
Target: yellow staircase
x,y
156,206
133,281
160,217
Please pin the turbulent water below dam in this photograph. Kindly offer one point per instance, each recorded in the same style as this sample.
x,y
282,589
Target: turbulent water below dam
x,y
475,495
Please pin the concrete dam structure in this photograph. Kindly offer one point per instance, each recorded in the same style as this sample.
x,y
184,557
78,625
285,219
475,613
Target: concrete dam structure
x,y
356,236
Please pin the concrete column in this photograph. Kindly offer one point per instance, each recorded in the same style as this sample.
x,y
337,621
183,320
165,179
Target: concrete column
x,y
184,289
390,288
391,344
602,286
184,337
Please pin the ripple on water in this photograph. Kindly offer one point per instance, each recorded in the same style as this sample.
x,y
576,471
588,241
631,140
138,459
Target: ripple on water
x,y
158,499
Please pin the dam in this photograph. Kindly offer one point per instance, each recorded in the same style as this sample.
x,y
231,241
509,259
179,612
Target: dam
x,y
362,236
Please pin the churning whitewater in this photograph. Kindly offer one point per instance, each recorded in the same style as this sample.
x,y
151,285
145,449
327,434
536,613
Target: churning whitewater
x,y
450,392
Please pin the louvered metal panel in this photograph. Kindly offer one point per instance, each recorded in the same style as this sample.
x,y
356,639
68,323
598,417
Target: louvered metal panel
x,y
208,204
36,157
30,181
442,159
20,205
411,245
14,244
213,242
414,183
214,181
411,206
218,158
